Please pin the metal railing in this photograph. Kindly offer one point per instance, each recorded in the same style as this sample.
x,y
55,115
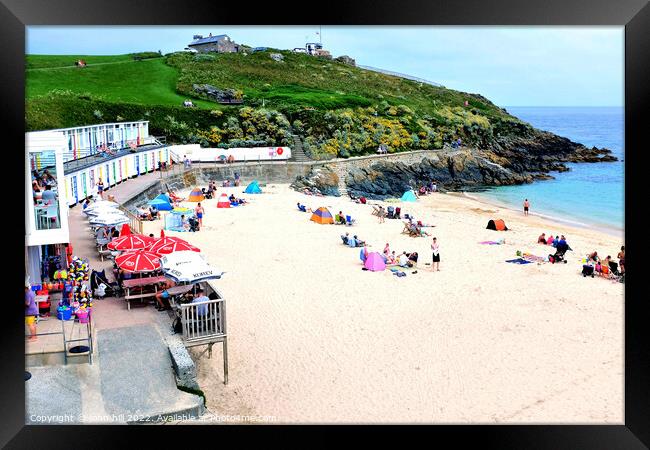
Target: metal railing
x,y
204,321
134,221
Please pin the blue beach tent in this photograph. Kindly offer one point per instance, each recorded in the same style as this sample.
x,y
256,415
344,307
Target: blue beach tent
x,y
408,196
161,203
253,188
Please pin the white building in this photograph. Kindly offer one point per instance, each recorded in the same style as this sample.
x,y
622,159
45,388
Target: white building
x,y
46,218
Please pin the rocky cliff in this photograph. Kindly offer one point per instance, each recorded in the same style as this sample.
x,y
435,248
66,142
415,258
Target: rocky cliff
x,y
512,159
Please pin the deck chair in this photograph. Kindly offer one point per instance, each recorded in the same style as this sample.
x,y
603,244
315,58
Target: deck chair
x,y
375,211
302,208
398,210
391,212
349,220
406,229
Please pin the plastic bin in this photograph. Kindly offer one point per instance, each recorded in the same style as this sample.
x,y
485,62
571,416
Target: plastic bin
x,y
63,313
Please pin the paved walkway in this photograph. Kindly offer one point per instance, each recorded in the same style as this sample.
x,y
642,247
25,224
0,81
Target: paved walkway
x,y
131,375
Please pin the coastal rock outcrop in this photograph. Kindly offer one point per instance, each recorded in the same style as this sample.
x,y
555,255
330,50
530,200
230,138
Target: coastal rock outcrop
x,y
507,160
322,179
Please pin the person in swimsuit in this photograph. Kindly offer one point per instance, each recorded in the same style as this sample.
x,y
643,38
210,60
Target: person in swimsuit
x,y
164,295
526,206
621,259
435,248
100,188
199,213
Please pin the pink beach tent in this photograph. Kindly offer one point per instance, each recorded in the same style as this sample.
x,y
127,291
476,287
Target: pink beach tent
x,y
375,262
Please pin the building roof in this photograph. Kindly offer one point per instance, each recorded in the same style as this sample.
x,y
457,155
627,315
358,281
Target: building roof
x,y
209,39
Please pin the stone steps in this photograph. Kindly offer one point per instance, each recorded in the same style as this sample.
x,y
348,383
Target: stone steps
x,y
297,152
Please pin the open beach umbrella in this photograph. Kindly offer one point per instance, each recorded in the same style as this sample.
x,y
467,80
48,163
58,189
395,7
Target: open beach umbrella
x,y
223,201
130,242
188,266
409,196
138,261
170,244
102,204
172,247
322,216
109,220
101,210
375,262
196,195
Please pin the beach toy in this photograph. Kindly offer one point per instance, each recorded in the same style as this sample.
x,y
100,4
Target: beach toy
x,y
82,315
63,313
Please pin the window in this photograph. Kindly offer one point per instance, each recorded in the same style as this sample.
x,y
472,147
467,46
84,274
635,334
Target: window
x,y
45,190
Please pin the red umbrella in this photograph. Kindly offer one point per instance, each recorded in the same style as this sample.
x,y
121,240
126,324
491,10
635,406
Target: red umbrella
x,y
138,261
168,245
126,230
130,242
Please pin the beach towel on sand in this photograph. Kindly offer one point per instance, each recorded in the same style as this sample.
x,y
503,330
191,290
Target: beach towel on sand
x,y
490,243
518,261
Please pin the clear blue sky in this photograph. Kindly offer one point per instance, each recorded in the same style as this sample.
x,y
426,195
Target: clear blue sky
x,y
512,66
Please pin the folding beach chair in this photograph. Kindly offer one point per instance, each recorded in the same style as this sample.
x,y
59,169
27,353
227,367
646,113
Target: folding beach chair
x,y
349,220
375,210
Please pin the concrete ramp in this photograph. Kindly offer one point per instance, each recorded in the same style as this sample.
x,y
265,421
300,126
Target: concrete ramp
x,y
137,379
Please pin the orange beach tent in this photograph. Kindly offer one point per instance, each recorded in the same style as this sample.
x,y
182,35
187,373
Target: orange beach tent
x,y
497,225
196,195
322,216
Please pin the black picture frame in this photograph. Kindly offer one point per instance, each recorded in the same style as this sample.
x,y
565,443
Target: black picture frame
x,y
633,14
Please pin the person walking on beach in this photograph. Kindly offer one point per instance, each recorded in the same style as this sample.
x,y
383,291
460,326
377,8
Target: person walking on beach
x,y
435,249
526,206
31,311
199,214
100,188
381,214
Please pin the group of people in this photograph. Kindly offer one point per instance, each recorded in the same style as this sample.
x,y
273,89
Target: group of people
x,y
558,242
411,259
604,265
353,241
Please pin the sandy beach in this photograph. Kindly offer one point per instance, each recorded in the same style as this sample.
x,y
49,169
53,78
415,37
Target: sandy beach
x,y
314,339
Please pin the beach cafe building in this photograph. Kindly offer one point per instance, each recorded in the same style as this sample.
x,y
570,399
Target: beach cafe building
x,y
46,220
77,158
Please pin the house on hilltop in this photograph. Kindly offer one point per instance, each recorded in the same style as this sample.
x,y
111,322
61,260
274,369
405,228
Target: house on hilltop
x,y
313,49
219,44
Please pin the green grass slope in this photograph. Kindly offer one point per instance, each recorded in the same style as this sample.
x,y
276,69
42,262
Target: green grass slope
x,y
337,109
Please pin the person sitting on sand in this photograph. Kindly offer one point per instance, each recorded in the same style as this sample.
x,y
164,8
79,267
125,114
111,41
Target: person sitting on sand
x,y
403,260
341,218
345,238
392,258
412,259
593,257
542,239
555,241
386,249
549,241
359,242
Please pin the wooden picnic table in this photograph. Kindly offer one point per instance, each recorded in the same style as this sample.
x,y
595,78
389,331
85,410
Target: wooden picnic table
x,y
140,283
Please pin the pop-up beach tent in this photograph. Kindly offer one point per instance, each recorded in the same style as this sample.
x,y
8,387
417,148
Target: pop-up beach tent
x,y
322,216
497,225
253,188
223,201
161,203
409,196
196,195
375,262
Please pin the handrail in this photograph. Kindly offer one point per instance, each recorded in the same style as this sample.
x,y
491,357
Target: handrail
x,y
203,321
134,221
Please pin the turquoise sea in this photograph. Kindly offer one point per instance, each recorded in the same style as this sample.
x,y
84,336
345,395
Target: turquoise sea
x,y
589,194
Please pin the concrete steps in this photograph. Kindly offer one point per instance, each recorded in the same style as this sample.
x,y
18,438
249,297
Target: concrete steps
x,y
297,152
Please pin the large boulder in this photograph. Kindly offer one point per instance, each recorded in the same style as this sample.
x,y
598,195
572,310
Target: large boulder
x,y
321,179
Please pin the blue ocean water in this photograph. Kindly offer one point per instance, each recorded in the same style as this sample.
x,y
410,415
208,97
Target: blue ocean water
x,y
589,194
